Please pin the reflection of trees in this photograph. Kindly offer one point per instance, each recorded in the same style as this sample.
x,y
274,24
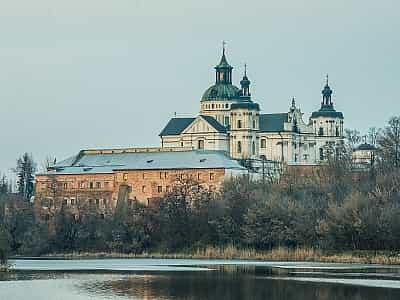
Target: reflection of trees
x,y
234,285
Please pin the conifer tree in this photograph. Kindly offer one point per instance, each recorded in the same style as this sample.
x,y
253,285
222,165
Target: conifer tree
x,y
25,171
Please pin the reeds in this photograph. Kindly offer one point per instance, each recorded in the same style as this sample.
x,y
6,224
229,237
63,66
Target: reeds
x,y
232,252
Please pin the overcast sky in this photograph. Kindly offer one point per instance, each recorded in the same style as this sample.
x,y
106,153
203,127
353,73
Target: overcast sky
x,y
80,74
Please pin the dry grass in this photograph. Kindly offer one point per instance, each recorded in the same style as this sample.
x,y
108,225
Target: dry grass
x,y
231,252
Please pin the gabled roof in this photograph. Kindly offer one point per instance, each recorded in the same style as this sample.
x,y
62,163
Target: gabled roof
x,y
175,126
97,162
214,123
273,122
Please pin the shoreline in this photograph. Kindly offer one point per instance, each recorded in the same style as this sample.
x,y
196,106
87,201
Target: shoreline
x,y
279,254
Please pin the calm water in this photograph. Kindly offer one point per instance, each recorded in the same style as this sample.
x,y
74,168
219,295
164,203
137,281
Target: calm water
x,y
196,279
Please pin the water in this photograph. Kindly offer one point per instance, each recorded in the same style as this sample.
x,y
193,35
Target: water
x,y
169,279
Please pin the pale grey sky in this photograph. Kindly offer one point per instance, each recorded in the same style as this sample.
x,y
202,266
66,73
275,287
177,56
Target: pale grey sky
x,y
94,73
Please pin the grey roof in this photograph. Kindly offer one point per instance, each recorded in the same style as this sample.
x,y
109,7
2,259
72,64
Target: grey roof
x,y
246,104
214,123
327,111
94,163
273,122
366,146
175,126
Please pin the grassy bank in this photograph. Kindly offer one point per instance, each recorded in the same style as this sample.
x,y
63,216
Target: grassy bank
x,y
278,254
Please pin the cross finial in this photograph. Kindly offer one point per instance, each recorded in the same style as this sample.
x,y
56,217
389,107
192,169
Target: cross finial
x,y
245,69
223,46
327,79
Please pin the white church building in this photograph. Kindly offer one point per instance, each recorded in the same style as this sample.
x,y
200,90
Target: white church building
x,y
231,121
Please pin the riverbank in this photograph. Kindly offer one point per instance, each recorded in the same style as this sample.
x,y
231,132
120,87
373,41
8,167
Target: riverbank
x,y
278,254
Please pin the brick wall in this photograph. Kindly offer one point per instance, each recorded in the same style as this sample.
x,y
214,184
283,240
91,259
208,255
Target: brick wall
x,y
98,193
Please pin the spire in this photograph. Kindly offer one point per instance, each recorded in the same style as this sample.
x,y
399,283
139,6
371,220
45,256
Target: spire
x,y
327,95
293,107
245,84
223,69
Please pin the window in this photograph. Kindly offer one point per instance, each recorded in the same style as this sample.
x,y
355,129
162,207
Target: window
x,y
97,202
98,185
263,143
254,123
143,188
212,177
239,124
321,154
72,201
65,202
198,176
161,175
81,184
321,131
239,147
337,131
105,202
226,121
226,105
91,185
253,148
295,158
106,184
159,189
65,185
200,144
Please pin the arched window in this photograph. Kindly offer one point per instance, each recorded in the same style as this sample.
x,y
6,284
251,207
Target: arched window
x,y
239,147
263,143
254,123
200,144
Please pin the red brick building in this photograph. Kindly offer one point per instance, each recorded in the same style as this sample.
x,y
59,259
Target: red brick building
x,y
95,179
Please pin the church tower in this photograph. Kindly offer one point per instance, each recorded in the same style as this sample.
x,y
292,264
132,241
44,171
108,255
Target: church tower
x,y
327,124
245,124
218,98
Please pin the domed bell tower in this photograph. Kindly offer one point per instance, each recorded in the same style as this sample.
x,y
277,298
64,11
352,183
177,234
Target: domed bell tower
x,y
245,124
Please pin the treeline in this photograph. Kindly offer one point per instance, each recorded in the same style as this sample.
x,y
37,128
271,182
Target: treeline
x,y
329,208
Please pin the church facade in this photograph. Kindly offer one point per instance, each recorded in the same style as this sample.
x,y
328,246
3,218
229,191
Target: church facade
x,y
231,121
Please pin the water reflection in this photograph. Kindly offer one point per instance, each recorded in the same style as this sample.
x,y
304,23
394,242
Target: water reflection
x,y
230,285
78,280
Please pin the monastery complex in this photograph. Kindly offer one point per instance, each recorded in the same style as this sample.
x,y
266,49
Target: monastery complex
x,y
230,136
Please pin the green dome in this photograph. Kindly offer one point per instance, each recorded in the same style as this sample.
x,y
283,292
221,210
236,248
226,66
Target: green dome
x,y
221,92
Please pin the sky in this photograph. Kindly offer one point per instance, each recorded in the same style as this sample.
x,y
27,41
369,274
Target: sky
x,y
81,74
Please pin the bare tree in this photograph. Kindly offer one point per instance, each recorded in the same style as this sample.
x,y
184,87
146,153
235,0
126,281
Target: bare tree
x,y
389,143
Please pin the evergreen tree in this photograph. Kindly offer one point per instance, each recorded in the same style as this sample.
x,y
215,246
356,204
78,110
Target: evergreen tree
x,y
25,170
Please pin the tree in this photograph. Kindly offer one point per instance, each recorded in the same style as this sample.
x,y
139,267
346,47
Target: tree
x,y
4,247
389,144
373,134
25,170
353,138
4,185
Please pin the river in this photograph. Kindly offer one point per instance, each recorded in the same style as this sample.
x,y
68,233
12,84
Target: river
x,y
168,279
